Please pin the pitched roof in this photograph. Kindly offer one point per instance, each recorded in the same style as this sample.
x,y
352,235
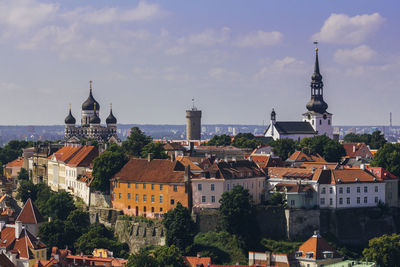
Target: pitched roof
x,y
264,161
382,173
317,245
173,146
235,169
87,178
65,153
357,149
197,261
5,262
30,214
15,163
84,157
156,170
300,156
294,127
293,173
348,176
319,165
187,161
293,188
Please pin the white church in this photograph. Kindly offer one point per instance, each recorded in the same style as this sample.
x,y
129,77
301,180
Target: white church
x,y
316,121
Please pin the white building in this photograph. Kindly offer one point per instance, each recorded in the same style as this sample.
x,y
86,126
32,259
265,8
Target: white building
x,y
316,121
222,177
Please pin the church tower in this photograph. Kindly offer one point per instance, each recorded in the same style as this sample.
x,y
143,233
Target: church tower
x,y
317,116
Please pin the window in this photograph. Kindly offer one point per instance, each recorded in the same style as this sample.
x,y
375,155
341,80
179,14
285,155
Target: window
x,y
161,198
365,189
136,186
203,199
160,186
348,190
137,198
320,122
376,199
144,198
292,202
129,207
329,122
228,187
348,200
376,188
152,186
322,200
323,190
152,209
341,201
340,190
160,209
144,186
152,198
172,202
199,187
358,189
119,195
365,199
113,195
129,195
212,187
213,199
175,188
330,190
358,200
331,201
312,122
129,185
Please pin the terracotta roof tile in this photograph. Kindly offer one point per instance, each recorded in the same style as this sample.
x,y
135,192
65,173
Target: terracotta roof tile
x,y
15,163
186,161
380,173
156,170
83,157
317,245
30,214
65,153
357,149
197,261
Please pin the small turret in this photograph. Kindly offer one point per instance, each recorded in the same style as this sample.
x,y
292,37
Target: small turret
x,y
70,119
95,119
111,119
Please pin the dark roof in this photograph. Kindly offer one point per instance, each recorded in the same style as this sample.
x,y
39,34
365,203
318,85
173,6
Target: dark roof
x,y
95,119
111,118
294,127
70,119
90,103
5,262
30,214
235,169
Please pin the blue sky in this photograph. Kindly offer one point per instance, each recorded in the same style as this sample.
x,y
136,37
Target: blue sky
x,y
238,59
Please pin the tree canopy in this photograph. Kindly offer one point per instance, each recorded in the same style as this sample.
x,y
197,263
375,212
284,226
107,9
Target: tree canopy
x,y
376,140
180,228
155,149
23,174
329,149
219,140
384,250
245,140
59,206
163,256
105,166
135,142
283,147
388,157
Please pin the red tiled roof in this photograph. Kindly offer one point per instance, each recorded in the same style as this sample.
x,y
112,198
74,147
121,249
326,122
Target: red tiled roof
x,y
15,163
321,165
87,178
350,176
197,261
357,149
381,173
156,170
65,153
301,156
30,214
84,157
317,245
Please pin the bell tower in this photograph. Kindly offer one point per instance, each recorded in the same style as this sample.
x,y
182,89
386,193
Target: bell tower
x,y
317,114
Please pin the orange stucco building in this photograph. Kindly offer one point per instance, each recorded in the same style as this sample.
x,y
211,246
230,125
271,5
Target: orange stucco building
x,y
151,187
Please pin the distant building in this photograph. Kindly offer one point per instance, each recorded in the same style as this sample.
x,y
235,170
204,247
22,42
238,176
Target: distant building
x,y
357,150
90,124
316,121
269,259
193,124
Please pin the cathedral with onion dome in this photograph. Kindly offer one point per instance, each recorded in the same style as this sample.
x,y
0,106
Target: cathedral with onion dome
x,y
91,127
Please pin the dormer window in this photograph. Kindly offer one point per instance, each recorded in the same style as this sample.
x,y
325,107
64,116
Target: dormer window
x,y
309,255
298,254
328,254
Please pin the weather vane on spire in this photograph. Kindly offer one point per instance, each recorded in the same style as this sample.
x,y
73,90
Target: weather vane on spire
x,y
316,45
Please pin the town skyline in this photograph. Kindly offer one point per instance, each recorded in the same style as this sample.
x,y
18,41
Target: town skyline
x,y
237,65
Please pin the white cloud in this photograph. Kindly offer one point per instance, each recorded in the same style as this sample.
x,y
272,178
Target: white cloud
x,y
360,54
208,37
223,74
284,65
24,14
259,38
342,29
176,50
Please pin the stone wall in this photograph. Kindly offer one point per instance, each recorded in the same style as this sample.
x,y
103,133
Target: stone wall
x,y
140,234
301,223
98,199
206,220
106,216
272,222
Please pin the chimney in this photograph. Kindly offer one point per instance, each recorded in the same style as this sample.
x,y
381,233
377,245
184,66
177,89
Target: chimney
x,y
354,148
149,156
198,255
187,174
325,168
18,228
49,219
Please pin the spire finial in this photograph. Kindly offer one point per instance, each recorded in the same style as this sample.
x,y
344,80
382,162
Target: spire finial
x,y
110,106
316,46
90,84
316,66
94,107
193,103
69,107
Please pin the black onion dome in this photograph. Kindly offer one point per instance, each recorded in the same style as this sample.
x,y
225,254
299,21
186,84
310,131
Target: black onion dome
x,y
317,104
111,119
90,103
95,119
70,119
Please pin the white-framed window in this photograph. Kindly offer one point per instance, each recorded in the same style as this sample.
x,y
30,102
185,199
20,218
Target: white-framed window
x,y
331,201
341,201
358,200
213,199
365,189
358,189
340,190
323,191
161,198
137,197
376,188
212,187
203,199
348,190
376,199
365,199
152,198
144,198
322,200
199,187
348,201
330,190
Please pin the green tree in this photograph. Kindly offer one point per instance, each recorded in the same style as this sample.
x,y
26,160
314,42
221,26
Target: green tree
x,y
141,260
23,174
135,142
388,157
59,206
330,150
384,250
155,149
180,228
277,199
286,247
245,140
238,215
169,256
26,190
100,236
104,168
284,147
53,234
375,140
219,140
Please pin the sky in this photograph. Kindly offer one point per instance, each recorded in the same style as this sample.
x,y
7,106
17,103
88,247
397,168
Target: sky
x,y
237,59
